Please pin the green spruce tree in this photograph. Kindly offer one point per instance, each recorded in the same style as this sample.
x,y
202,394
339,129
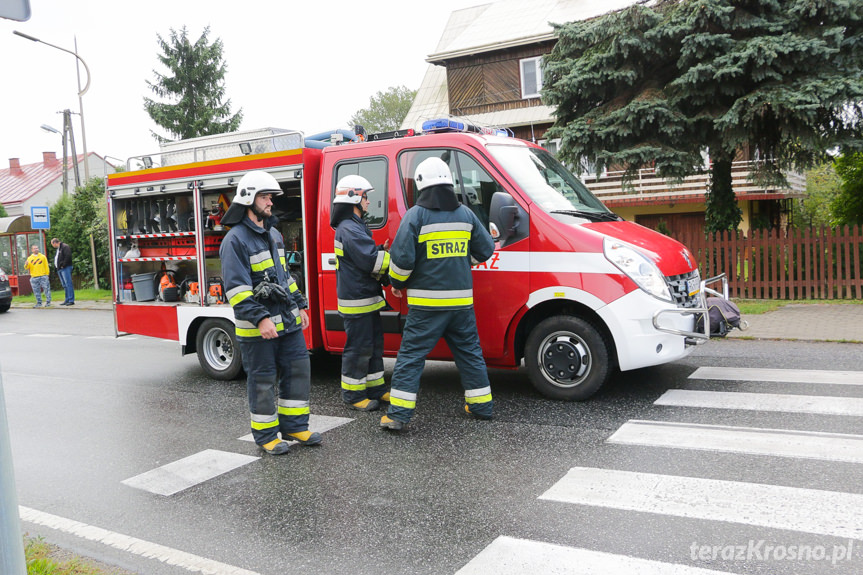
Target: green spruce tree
x,y
194,88
655,84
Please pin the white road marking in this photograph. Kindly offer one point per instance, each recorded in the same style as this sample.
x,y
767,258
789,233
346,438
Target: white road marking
x,y
777,507
763,402
751,440
48,335
779,375
133,545
189,471
510,556
319,423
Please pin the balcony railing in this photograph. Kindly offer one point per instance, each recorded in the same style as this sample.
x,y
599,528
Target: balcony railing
x,y
609,187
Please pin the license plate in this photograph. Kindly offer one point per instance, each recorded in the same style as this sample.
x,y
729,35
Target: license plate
x,y
693,286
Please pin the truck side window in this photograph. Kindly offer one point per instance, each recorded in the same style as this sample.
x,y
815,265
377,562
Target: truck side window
x,y
375,171
473,185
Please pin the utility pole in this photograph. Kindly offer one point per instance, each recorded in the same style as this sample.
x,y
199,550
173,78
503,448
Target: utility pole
x,y
69,136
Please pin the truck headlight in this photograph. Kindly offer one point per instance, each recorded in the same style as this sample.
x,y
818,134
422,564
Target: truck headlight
x,y
638,267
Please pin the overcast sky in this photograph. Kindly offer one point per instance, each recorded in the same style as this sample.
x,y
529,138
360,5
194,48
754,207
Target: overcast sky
x,y
305,65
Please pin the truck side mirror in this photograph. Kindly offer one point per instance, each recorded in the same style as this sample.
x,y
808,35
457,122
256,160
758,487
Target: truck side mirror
x,y
509,218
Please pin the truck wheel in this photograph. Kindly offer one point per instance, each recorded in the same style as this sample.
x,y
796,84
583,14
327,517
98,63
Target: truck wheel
x,y
218,351
566,358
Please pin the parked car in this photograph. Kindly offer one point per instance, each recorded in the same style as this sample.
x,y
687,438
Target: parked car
x,y
5,292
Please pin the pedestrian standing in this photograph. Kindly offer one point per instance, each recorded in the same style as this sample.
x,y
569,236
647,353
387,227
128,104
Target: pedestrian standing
x,y
437,242
359,266
270,315
37,265
63,264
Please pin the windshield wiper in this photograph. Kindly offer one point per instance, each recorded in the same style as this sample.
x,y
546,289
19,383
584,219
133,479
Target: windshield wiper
x,y
596,216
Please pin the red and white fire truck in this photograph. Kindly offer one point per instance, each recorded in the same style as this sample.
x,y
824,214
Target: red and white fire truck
x,y
572,290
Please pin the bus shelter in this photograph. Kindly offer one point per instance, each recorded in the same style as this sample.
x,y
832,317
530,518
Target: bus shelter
x,y
16,239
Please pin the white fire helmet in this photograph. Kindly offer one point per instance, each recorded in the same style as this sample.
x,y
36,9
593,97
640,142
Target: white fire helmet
x,y
351,189
253,183
432,172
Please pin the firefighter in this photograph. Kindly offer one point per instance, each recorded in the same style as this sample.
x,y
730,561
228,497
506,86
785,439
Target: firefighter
x,y
270,316
431,257
360,265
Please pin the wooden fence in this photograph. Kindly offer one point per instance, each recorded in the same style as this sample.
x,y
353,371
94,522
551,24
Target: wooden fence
x,y
804,264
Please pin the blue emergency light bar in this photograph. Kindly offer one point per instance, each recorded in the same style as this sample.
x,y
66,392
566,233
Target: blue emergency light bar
x,y
443,125
450,125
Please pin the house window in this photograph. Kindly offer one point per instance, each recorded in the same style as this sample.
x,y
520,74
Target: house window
x,y
553,146
531,77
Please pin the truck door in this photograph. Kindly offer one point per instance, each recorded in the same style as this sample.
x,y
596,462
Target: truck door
x,y
499,293
373,169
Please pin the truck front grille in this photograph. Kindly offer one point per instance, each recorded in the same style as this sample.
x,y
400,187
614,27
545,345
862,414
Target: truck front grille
x,y
680,291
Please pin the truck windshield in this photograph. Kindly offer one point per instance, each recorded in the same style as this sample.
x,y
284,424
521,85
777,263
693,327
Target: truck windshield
x,y
548,183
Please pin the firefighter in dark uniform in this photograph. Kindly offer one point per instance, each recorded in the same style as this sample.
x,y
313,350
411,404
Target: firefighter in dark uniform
x,y
430,258
270,315
360,264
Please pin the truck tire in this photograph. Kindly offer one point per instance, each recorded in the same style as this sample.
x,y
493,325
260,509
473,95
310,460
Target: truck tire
x,y
218,351
567,358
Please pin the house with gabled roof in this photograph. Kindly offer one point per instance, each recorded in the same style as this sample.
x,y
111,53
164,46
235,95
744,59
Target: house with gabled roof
x,y
487,70
23,186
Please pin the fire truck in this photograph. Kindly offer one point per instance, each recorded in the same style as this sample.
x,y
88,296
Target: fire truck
x,y
572,291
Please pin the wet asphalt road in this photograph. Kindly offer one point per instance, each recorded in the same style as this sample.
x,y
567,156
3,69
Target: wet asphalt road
x,y
88,411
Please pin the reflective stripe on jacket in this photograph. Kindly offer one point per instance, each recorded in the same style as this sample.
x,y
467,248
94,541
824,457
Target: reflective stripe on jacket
x,y
249,255
432,255
359,264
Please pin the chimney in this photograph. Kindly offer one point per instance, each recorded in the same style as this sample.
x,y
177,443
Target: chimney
x,y
15,166
49,159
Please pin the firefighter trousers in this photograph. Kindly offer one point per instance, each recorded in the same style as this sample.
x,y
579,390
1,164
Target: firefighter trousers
x,y
363,358
278,384
422,331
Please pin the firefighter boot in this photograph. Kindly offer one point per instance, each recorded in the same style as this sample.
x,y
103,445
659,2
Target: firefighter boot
x,y
276,447
365,405
476,415
385,398
391,424
306,437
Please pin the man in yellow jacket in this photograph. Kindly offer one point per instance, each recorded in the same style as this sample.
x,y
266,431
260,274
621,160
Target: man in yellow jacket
x,y
37,265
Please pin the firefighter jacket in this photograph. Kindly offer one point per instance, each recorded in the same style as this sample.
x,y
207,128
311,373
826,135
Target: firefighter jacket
x,y
252,256
359,267
433,252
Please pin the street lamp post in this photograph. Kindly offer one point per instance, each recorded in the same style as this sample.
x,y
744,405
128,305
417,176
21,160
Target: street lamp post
x,y
80,92
48,128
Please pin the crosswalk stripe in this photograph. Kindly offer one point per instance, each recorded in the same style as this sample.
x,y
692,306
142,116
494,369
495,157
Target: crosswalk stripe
x,y
750,440
763,402
777,507
510,556
189,471
779,375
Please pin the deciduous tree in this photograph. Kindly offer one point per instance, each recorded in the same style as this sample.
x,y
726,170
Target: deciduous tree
x,y
848,205
386,110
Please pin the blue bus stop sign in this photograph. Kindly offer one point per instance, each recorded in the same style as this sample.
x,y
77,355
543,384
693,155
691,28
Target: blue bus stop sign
x,y
40,218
